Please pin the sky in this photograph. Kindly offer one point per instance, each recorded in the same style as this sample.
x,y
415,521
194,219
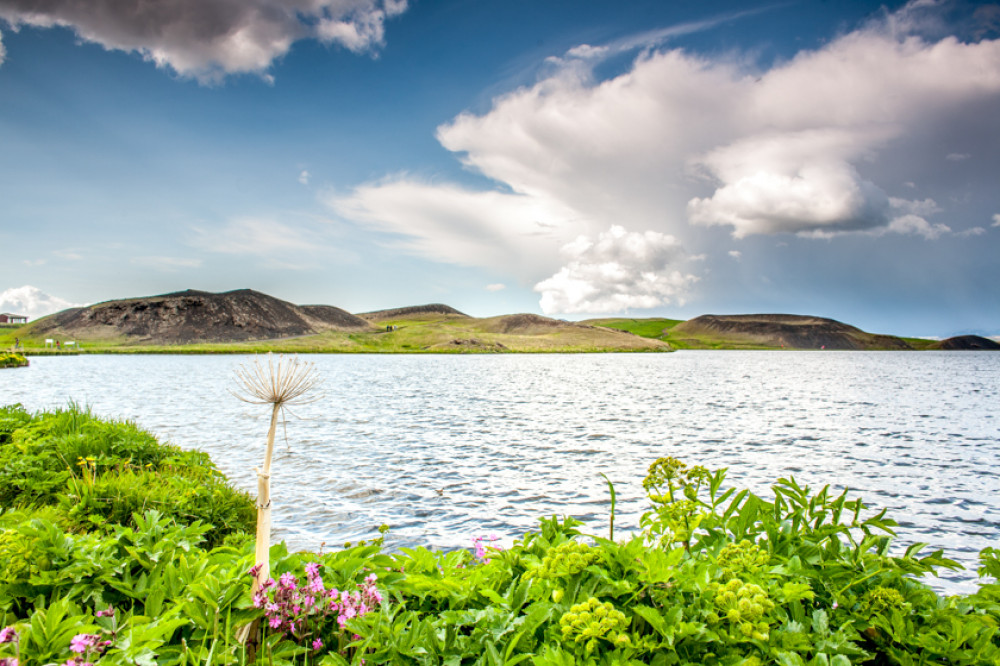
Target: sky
x,y
574,158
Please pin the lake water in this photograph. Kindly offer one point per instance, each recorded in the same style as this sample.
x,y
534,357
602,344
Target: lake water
x,y
446,447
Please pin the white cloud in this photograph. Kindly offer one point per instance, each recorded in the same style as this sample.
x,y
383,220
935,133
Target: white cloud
x,y
620,270
304,177
165,264
996,220
680,138
455,225
32,302
971,231
496,287
251,236
957,157
70,254
208,39
736,254
3,51
914,224
781,149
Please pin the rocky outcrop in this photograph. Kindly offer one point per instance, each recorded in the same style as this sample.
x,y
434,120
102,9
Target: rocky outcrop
x,y
788,331
198,316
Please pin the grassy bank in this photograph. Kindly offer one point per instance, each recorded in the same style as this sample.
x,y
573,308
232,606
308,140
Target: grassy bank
x,y
116,549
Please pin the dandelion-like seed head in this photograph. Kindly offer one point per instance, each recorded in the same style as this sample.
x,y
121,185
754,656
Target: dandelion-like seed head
x,y
280,382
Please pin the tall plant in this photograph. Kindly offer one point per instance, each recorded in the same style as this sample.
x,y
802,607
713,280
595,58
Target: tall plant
x,y
278,382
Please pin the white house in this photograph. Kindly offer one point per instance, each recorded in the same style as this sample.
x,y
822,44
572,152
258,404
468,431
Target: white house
x,y
8,318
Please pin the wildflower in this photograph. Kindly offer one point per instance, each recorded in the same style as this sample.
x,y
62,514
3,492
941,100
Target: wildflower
x,y
312,569
107,612
287,580
8,661
274,622
255,570
8,635
317,644
83,642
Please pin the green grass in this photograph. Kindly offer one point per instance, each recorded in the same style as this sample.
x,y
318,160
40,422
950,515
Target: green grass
x,y
417,335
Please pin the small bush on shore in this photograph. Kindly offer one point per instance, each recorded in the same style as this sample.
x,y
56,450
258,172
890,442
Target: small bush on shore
x,y
12,360
714,575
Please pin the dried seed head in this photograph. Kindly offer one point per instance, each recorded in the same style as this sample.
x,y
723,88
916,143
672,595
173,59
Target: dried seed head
x,y
280,382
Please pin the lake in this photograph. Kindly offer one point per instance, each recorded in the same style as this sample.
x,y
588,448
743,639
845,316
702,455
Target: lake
x,y
447,447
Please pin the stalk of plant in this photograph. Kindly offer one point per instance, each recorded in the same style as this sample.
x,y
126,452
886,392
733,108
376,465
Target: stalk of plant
x,y
279,383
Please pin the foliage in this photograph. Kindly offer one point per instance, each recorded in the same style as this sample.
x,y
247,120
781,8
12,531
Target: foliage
x,y
12,360
716,576
99,473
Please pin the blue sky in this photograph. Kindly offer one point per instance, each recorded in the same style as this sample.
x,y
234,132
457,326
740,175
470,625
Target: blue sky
x,y
575,159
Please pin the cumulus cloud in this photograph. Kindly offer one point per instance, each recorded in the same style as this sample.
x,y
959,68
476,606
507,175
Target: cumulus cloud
x,y
996,220
681,139
780,150
208,39
736,254
32,302
971,231
304,177
620,270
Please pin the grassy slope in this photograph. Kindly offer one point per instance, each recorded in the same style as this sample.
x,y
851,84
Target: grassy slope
x,y
428,334
662,329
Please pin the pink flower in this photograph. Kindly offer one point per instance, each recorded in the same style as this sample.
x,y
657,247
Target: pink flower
x,y
83,642
371,578
107,612
8,635
317,644
8,661
274,622
255,570
312,569
287,580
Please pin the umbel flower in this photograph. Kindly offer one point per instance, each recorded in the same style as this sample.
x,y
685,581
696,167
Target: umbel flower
x,y
280,383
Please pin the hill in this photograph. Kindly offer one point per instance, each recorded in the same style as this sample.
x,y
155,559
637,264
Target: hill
x,y
967,343
430,311
194,316
249,321
781,331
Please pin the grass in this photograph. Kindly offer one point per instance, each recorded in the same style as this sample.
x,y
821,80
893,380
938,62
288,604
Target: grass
x,y
438,335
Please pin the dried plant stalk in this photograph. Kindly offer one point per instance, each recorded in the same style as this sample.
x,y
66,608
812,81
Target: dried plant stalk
x,y
279,383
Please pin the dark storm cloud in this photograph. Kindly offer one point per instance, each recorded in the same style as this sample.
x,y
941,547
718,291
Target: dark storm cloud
x,y
210,38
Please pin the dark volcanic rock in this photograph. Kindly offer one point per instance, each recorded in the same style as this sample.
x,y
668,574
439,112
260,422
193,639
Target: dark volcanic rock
x,y
968,343
790,331
190,316
412,311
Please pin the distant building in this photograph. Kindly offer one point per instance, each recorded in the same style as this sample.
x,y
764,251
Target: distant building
x,y
8,318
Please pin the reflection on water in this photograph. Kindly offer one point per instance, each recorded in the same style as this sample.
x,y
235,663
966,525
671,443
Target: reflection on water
x,y
446,447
